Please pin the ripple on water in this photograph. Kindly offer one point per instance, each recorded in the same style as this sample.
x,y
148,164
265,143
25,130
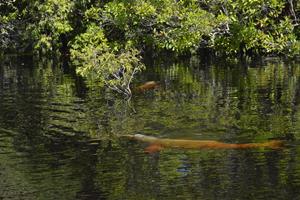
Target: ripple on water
x,y
56,145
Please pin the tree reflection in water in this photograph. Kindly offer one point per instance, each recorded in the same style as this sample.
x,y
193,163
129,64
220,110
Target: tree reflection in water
x,y
59,140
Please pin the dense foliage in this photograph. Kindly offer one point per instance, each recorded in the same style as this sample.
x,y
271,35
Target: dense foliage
x,y
105,38
257,26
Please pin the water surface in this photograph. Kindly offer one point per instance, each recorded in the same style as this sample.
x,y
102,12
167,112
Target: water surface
x,y
60,140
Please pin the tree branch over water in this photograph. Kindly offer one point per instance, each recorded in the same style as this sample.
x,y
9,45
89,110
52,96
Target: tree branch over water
x,y
103,37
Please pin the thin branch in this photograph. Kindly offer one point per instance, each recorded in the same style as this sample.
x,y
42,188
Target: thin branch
x,y
292,10
115,88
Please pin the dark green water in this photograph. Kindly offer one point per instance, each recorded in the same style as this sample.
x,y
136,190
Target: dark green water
x,y
59,140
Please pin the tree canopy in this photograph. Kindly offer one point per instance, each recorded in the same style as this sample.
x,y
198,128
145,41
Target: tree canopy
x,y
105,39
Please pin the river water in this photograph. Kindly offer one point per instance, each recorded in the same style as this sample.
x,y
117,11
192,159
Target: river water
x,y
60,139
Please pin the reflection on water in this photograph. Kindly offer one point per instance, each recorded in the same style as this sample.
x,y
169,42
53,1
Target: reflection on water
x,y
59,140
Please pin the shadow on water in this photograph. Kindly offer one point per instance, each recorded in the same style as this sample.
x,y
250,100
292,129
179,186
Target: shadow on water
x,y
60,141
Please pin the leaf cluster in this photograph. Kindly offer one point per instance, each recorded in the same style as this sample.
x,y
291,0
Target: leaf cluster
x,y
163,25
99,63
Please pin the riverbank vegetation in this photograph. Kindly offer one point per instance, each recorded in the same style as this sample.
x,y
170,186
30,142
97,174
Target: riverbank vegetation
x,y
106,40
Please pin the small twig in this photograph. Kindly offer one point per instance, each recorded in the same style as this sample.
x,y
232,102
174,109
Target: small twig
x,y
292,10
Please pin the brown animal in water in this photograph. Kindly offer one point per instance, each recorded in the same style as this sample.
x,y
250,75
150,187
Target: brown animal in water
x,y
157,144
150,85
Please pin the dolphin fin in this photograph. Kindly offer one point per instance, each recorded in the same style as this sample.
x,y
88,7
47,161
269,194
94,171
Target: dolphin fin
x,y
153,148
